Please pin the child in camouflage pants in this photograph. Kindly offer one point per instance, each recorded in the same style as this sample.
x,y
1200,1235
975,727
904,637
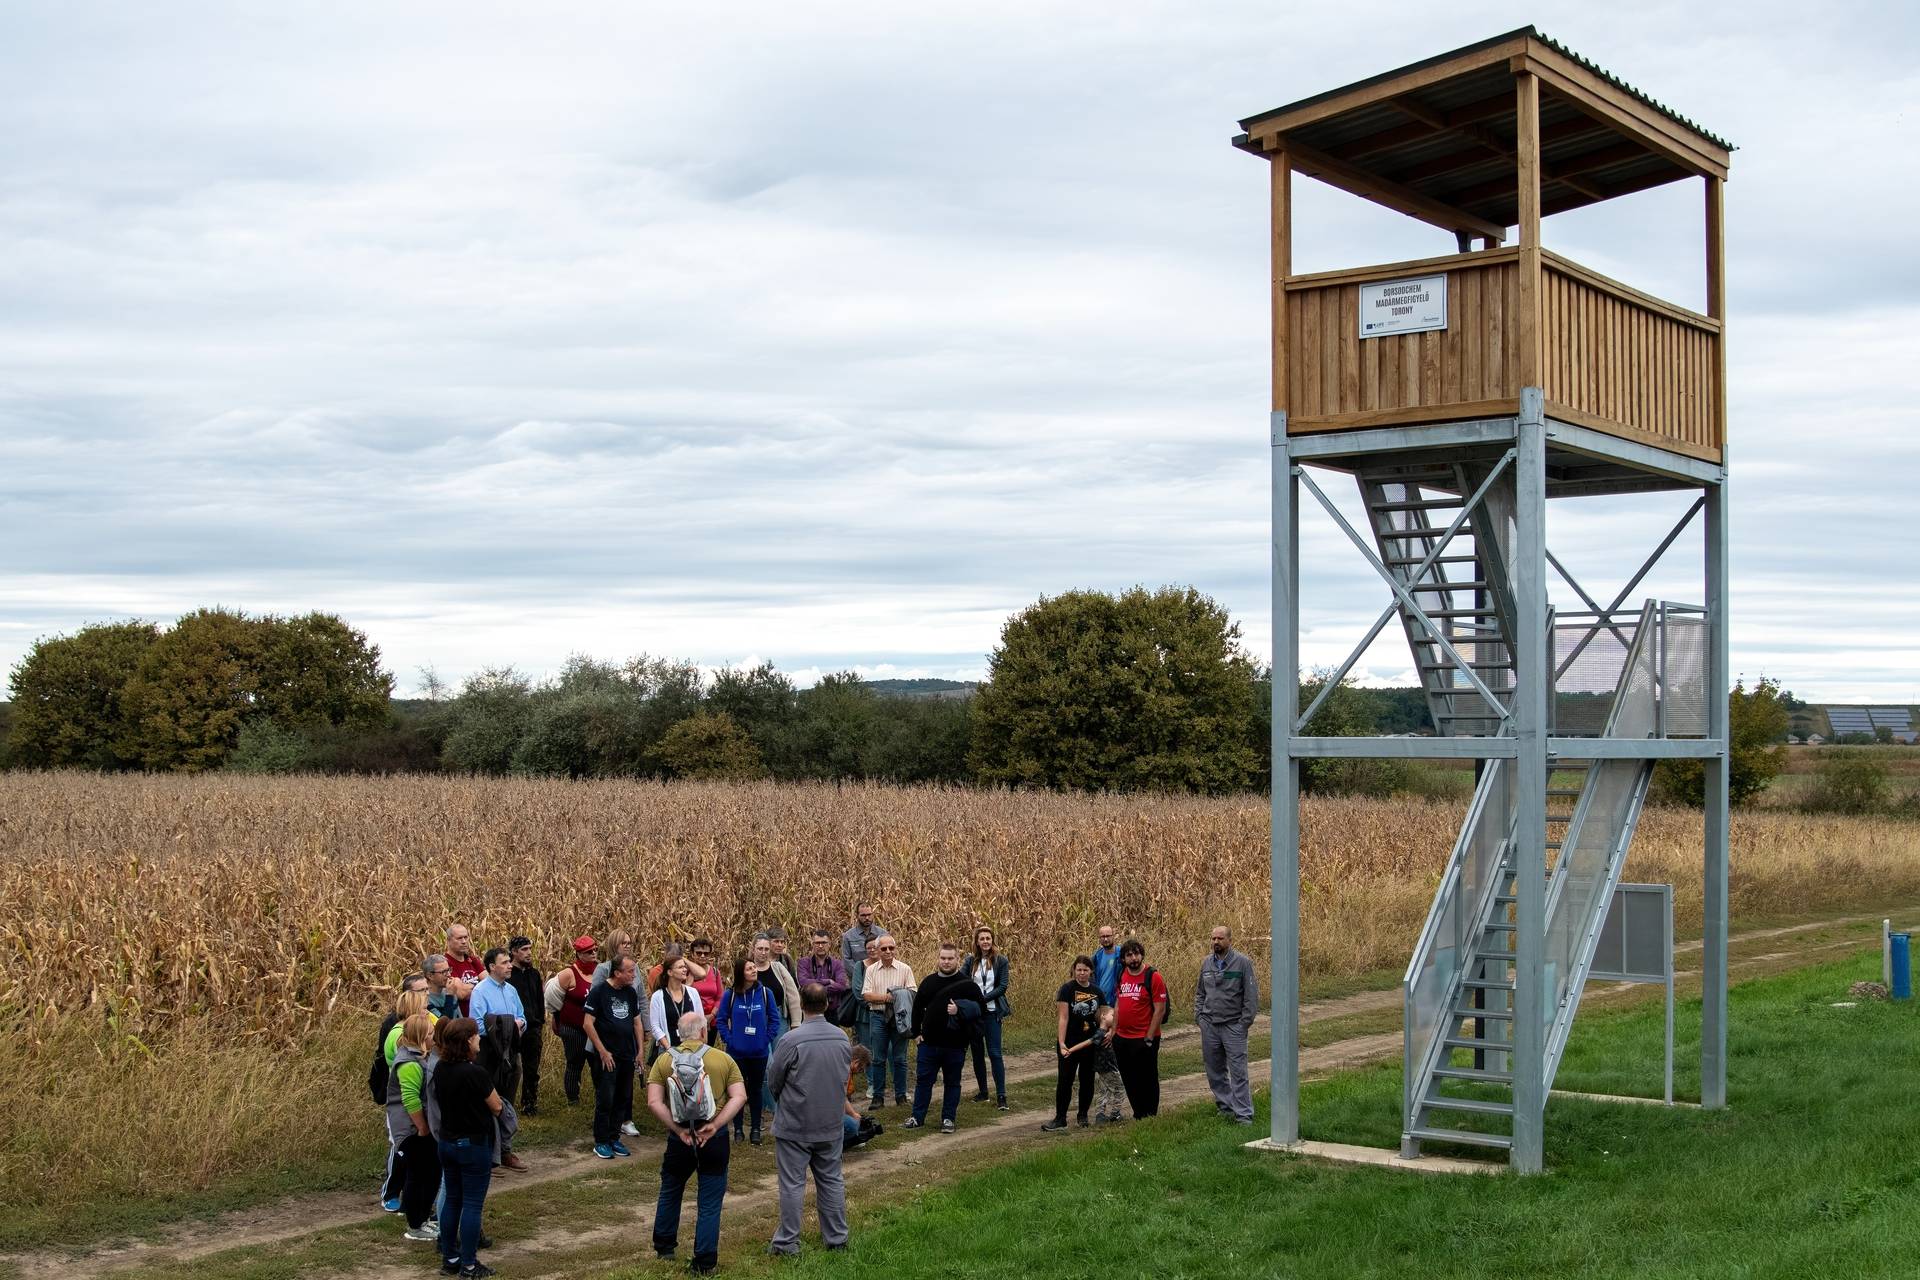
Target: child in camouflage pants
x,y
1106,1071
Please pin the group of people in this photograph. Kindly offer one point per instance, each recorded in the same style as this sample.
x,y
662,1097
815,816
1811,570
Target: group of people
x,y
801,1045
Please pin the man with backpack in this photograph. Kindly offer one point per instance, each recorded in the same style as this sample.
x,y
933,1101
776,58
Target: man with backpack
x,y
694,1090
945,1012
1138,1011
809,1076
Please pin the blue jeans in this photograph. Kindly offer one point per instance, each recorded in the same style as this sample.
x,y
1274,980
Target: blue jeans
x,y
709,1160
942,1060
466,1169
849,1128
887,1046
986,1048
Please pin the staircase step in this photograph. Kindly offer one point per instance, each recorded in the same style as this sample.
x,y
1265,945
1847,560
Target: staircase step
x,y
1488,984
1505,899
1428,1134
1473,1073
1498,1014
1477,666
1489,1046
1439,1102
1406,560
1420,504
1500,924
1474,585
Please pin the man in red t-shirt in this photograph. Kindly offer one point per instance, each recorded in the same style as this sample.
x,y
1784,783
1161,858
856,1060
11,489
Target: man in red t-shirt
x,y
1139,1007
463,967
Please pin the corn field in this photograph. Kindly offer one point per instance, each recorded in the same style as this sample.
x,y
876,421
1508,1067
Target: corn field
x,y
260,906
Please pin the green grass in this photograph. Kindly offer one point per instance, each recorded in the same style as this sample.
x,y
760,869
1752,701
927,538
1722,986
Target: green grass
x,y
1808,1173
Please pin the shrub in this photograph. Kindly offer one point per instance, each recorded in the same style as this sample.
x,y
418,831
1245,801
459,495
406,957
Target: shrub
x,y
1849,782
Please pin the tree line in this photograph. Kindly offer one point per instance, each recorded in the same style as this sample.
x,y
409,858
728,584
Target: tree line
x,y
1137,690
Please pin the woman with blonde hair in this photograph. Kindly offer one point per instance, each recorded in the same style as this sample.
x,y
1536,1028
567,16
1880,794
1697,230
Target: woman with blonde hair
x,y
415,1149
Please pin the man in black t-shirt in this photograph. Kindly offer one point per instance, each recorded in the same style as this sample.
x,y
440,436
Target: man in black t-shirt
x,y
945,1011
613,1010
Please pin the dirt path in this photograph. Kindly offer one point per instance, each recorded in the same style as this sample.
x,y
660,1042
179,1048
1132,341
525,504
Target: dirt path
x,y
750,1205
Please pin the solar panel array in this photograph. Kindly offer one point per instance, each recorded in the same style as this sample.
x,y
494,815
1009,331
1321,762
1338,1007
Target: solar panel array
x,y
1847,720
1867,720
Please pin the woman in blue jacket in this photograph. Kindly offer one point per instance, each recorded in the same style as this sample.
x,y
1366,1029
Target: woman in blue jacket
x,y
748,1020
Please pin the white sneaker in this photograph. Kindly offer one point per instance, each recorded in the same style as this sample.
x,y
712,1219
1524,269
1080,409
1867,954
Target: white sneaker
x,y
423,1232
629,1130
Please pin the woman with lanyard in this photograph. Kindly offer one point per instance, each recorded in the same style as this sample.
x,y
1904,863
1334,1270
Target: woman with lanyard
x,y
989,972
569,1019
672,1000
749,1022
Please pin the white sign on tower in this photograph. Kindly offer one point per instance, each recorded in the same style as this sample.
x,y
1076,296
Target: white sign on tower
x,y
1414,305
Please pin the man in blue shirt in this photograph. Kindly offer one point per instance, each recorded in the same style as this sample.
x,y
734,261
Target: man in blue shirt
x,y
1106,964
494,993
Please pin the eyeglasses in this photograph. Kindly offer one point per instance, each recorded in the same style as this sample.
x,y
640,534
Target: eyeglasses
x,y
885,948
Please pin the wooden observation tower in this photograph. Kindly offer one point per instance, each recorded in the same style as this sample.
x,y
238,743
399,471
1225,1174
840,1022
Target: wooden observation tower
x,y
1463,392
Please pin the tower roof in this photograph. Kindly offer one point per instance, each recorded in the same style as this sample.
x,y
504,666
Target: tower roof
x,y
1437,139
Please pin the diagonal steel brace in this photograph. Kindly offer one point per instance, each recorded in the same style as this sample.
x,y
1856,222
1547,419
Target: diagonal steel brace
x,y
1406,598
1386,615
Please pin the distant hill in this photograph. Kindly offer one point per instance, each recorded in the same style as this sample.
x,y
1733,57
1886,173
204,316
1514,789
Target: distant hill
x,y
923,688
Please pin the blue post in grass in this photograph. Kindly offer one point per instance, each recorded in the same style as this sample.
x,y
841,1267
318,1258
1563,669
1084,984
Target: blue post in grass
x,y
1902,966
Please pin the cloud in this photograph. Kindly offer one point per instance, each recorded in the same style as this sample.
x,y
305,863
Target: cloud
x,y
830,334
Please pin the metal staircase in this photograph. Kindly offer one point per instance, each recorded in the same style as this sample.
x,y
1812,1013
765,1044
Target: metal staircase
x,y
1459,583
1438,535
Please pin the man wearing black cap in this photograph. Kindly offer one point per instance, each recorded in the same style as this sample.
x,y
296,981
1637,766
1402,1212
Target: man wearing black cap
x,y
533,999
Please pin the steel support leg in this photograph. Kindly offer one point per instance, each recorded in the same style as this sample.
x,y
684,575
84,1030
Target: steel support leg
x,y
1713,924
1284,852
1528,566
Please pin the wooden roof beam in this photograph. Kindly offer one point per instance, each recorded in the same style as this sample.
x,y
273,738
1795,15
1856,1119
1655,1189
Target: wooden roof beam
x,y
1565,172
1394,195
1486,142
1626,114
1419,128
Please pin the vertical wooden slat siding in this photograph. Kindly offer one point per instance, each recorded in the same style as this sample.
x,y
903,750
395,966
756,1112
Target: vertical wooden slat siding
x,y
1619,360
1607,354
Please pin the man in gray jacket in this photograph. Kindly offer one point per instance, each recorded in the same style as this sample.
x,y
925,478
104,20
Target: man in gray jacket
x,y
808,1075
1225,1000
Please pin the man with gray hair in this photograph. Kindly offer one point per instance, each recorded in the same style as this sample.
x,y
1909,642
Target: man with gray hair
x,y
695,1090
442,1000
808,1075
1225,999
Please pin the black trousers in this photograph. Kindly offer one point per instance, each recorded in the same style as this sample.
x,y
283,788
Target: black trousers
x,y
530,1047
420,1158
753,1074
612,1097
1139,1062
1079,1066
574,1041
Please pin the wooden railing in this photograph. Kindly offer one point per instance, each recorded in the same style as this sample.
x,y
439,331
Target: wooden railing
x,y
1612,358
1626,362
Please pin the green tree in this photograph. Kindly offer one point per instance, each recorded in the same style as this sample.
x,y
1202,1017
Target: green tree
x,y
67,709
1757,722
194,689
486,721
921,739
1850,781
316,670
836,724
765,704
1144,690
708,744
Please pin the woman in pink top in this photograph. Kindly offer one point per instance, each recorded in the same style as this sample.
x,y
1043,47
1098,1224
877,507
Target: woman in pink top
x,y
707,980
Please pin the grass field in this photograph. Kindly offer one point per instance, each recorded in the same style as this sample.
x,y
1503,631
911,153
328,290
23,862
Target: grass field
x,y
1809,1173
194,965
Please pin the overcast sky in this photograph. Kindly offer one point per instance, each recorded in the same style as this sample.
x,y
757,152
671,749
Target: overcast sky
x,y
831,334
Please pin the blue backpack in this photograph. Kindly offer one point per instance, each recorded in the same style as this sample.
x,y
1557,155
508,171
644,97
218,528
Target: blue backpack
x,y
747,1023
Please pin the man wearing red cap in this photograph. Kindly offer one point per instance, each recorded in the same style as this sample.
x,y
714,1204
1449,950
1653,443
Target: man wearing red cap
x,y
574,982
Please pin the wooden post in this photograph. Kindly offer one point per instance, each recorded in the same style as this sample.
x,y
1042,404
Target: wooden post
x,y
1526,335
1280,177
1717,302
